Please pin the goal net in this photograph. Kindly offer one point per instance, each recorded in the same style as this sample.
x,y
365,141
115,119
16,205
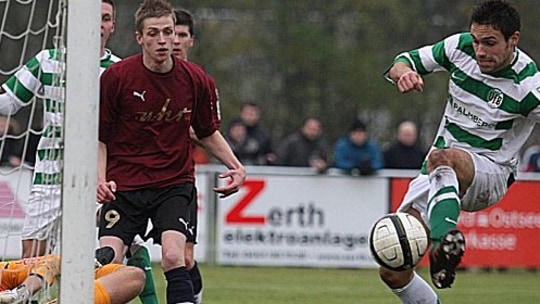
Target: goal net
x,y
47,140
27,28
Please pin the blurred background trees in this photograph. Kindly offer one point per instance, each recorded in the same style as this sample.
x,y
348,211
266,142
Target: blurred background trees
x,y
321,58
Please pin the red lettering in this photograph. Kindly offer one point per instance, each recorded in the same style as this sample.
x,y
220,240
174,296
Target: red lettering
x,y
236,215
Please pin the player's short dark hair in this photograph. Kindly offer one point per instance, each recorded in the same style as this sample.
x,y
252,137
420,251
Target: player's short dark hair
x,y
152,9
184,17
111,2
357,125
499,14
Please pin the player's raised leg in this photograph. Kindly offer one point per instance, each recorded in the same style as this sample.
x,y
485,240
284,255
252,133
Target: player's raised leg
x,y
449,171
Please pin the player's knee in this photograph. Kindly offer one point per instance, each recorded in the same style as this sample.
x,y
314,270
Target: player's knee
x,y
395,279
439,157
138,276
172,259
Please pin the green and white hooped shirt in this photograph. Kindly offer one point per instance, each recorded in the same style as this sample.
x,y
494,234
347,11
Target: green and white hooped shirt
x,y
43,77
492,115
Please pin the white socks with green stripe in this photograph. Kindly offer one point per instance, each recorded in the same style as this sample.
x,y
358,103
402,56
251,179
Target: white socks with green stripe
x,y
444,204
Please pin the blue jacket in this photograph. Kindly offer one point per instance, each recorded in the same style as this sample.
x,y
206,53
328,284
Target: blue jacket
x,y
348,156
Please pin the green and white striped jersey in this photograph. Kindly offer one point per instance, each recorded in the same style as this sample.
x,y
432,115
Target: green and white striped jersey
x,y
492,115
43,77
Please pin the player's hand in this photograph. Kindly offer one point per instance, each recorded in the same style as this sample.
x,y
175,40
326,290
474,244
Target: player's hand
x,y
105,192
8,297
237,177
410,81
16,295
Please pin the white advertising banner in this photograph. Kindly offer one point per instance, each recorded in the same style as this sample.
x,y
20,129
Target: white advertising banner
x,y
14,191
314,221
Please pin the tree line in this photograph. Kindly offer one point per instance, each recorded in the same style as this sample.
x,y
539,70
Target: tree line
x,y
320,58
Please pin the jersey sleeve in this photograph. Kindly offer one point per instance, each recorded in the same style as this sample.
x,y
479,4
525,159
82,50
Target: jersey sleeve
x,y
204,119
214,101
436,57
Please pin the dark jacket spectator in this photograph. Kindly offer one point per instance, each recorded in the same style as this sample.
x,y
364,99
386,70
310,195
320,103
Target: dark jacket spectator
x,y
245,148
405,152
259,145
304,148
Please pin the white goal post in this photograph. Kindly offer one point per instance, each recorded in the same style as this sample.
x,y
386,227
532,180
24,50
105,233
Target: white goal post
x,y
80,151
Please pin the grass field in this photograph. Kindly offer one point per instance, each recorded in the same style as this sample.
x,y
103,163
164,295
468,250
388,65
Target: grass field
x,y
261,285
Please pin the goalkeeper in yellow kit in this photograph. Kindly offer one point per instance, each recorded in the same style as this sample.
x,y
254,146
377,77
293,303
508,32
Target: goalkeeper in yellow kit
x,y
113,283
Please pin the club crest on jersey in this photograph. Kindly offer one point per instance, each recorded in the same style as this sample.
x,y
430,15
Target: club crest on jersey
x,y
495,98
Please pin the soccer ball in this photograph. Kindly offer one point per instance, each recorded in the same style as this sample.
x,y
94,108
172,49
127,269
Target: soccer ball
x,y
398,241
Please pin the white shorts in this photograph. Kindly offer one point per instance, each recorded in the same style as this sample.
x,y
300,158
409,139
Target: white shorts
x,y
489,186
43,212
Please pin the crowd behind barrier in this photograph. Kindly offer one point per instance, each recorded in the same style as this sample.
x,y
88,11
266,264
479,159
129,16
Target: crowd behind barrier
x,y
290,216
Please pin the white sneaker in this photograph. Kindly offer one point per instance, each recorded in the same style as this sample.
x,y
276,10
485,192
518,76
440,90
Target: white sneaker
x,y
17,295
198,297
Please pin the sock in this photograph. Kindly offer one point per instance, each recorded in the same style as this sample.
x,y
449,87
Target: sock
x,y
417,291
444,204
196,278
179,286
141,259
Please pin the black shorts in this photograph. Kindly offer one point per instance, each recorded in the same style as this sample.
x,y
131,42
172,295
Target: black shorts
x,y
193,215
168,208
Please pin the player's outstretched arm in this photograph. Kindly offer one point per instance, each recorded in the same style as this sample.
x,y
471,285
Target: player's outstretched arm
x,y
405,78
220,149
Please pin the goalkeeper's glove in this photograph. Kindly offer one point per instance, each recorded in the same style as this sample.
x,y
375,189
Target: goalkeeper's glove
x,y
14,296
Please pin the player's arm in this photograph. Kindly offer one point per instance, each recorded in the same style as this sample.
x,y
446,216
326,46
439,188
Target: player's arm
x,y
194,138
22,87
108,95
106,189
8,103
220,149
405,78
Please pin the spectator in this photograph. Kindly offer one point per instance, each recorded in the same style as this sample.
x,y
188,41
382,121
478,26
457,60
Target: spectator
x,y
533,163
11,153
257,138
405,152
304,148
356,152
242,147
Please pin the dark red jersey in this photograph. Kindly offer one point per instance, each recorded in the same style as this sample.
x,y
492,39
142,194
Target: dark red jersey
x,y
145,119
214,99
216,111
